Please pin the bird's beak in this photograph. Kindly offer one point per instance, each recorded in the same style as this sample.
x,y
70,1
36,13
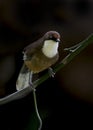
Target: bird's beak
x,y
57,40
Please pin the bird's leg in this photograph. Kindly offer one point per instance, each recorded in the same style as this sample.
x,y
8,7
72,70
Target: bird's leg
x,y
30,80
51,72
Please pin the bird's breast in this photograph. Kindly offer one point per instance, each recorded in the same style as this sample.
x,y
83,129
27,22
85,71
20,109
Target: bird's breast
x,y
40,62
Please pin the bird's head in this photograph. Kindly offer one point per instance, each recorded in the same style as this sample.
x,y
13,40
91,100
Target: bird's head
x,y
52,35
51,43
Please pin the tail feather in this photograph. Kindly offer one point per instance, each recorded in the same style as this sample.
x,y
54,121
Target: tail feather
x,y
23,78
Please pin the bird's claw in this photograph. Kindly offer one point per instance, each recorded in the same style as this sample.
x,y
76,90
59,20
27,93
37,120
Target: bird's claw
x,y
51,72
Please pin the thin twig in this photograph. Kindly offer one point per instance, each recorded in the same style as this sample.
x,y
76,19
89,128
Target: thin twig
x,y
36,109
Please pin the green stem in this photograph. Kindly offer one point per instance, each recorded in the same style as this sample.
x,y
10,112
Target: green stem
x,y
36,109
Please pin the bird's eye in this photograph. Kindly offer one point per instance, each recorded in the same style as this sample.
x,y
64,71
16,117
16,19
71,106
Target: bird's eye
x,y
53,38
50,37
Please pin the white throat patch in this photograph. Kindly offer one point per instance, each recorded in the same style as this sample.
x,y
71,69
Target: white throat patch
x,y
50,48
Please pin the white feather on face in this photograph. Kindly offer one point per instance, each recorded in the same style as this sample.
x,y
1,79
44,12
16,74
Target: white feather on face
x,y
50,48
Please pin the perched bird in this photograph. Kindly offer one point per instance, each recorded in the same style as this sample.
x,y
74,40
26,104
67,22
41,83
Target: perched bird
x,y
38,56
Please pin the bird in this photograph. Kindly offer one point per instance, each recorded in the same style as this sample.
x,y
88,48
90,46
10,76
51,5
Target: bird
x,y
38,56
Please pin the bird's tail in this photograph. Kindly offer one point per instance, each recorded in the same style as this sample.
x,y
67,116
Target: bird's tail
x,y
23,78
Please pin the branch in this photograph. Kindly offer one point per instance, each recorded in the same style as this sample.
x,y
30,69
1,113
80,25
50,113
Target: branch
x,y
73,52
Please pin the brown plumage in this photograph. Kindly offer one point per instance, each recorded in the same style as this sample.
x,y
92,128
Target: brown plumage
x,y
35,60
38,56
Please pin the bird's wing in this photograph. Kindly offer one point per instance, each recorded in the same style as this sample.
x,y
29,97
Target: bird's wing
x,y
30,49
23,78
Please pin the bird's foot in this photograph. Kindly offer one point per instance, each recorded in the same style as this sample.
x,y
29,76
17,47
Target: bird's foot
x,y
51,72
